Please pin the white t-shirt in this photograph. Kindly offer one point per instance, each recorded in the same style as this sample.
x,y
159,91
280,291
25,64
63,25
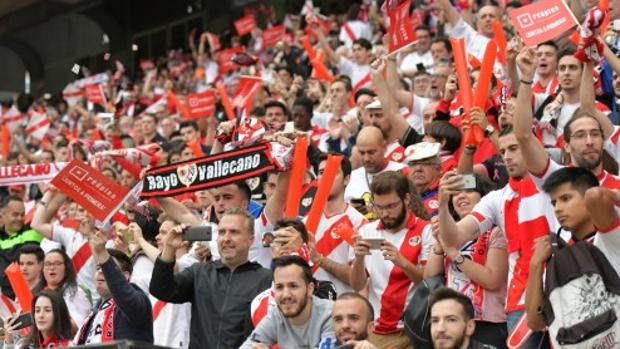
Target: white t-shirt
x,y
72,241
354,71
608,241
475,43
360,30
411,61
359,185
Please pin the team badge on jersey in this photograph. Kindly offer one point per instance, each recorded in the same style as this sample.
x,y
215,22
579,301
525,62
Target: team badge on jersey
x,y
306,202
433,204
414,241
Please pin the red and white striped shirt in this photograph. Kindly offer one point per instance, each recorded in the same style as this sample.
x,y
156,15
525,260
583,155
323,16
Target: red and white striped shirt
x,y
332,246
77,248
390,289
395,152
523,214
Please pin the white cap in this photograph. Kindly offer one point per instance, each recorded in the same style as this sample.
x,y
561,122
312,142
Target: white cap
x,y
376,104
422,150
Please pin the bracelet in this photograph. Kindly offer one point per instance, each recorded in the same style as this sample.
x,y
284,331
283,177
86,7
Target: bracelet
x,y
526,82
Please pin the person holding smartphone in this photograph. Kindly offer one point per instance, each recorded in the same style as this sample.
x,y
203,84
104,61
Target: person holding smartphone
x,y
477,268
51,327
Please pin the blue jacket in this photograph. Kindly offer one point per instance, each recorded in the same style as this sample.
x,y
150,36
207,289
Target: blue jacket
x,y
133,317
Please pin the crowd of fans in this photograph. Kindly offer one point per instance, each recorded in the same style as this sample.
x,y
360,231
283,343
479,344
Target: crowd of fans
x,y
423,199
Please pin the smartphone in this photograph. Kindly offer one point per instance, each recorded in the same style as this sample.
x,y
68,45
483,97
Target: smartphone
x,y
469,181
23,321
375,243
203,233
358,202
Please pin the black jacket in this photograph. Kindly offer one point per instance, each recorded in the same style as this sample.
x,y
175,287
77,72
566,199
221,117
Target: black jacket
x,y
220,299
133,317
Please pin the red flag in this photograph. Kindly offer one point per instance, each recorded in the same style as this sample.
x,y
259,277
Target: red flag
x,y
201,104
214,41
297,177
20,286
305,42
228,108
94,94
181,108
38,125
225,59
320,71
98,194
245,25
13,118
247,87
272,35
542,21
401,31
323,26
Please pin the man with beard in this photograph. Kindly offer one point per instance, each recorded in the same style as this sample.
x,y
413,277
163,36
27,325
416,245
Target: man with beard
x,y
390,254
353,317
521,223
584,132
300,320
452,321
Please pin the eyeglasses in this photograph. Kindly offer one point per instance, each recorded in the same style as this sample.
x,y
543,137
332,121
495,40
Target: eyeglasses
x,y
53,264
388,207
581,135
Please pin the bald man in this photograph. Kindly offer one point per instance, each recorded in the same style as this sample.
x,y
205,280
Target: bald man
x,y
370,147
475,41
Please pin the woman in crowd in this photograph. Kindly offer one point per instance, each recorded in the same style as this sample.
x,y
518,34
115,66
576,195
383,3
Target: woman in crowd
x,y
477,269
51,326
59,275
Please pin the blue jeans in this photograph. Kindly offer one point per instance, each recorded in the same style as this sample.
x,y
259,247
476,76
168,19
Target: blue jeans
x,y
538,340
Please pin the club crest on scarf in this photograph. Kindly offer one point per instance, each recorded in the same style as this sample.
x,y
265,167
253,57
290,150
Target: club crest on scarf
x,y
187,174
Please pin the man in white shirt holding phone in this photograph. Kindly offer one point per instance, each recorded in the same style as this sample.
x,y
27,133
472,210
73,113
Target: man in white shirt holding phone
x,y
390,254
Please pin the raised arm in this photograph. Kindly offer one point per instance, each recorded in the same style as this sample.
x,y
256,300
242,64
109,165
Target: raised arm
x,y
587,100
534,293
449,11
331,55
45,211
178,212
601,204
388,103
534,154
402,96
274,208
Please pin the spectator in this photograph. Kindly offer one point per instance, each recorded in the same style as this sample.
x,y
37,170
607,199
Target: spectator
x,y
124,311
73,241
201,284
478,268
371,147
452,321
300,320
353,317
567,188
31,265
59,276
51,326
425,168
392,269
14,234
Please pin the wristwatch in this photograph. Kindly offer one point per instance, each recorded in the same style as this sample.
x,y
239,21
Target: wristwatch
x,y
489,130
458,260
